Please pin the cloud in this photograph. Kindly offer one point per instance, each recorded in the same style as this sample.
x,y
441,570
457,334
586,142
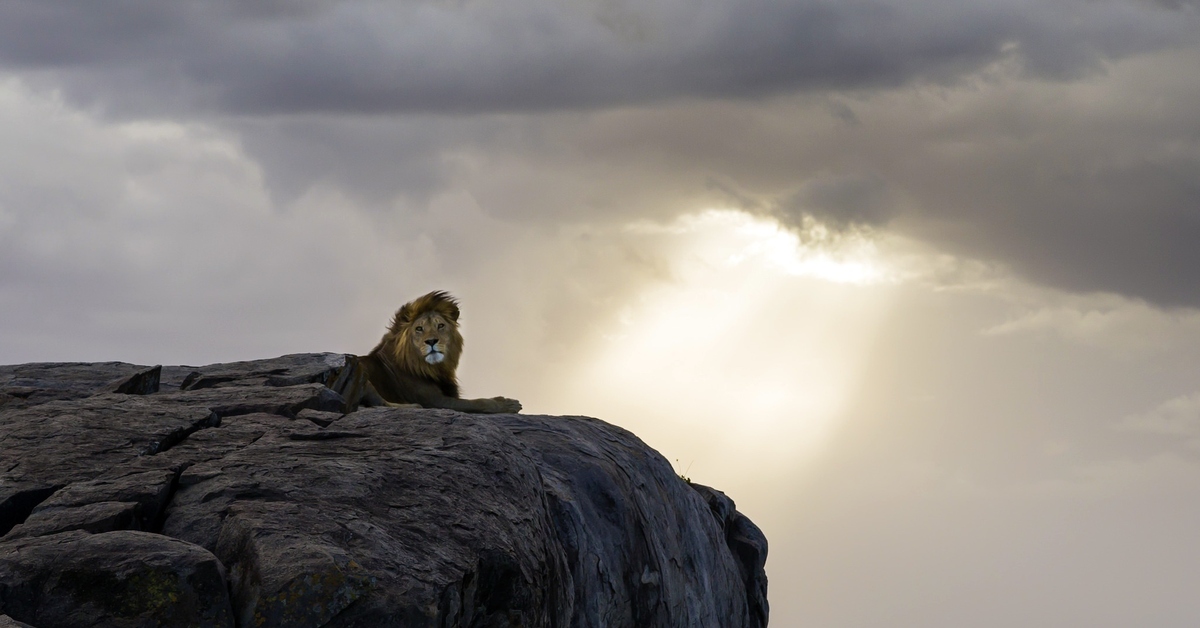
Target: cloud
x,y
847,199
1057,140
1175,417
1084,186
159,242
119,240
1098,320
360,56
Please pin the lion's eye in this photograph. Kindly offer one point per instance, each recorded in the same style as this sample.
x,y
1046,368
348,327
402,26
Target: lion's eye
x,y
419,328
441,325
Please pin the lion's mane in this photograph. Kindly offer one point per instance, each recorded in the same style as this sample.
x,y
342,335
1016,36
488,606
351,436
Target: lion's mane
x,y
400,361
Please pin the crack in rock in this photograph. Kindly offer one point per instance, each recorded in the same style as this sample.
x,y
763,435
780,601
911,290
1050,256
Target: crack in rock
x,y
130,501
177,436
388,517
17,508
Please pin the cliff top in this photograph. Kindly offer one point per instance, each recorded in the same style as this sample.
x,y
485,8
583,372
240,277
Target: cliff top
x,y
242,494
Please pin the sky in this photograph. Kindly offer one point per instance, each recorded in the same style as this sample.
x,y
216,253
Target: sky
x,y
915,283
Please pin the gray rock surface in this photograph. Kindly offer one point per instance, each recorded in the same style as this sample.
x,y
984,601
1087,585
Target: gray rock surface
x,y
249,475
9,622
25,385
119,578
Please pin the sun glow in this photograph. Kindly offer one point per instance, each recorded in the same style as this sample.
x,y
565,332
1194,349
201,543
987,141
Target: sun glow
x,y
736,238
752,347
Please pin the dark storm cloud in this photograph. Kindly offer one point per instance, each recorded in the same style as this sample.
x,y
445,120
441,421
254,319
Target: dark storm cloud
x,y
593,110
1128,229
844,200
472,56
1087,187
373,160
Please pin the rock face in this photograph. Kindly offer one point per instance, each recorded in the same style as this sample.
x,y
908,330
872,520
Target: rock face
x,y
242,495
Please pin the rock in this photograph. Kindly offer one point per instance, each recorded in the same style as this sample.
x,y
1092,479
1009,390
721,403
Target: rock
x,y
288,370
323,419
9,622
26,385
235,400
641,550
306,516
113,579
48,446
140,383
748,545
408,510
133,501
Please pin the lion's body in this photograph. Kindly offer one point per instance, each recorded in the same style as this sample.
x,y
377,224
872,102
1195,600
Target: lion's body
x,y
417,359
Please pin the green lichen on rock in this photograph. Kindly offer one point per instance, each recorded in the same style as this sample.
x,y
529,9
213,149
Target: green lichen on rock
x,y
314,598
121,578
152,593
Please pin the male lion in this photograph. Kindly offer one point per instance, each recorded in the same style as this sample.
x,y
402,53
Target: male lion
x,y
415,362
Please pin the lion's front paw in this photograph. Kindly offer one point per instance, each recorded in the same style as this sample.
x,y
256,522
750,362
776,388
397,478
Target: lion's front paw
x,y
505,405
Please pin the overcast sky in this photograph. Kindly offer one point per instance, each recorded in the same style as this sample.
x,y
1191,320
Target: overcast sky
x,y
916,283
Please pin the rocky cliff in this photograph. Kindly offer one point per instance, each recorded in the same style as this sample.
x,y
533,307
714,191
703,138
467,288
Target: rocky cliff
x,y
244,495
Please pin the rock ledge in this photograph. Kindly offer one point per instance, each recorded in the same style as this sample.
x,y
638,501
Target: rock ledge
x,y
242,494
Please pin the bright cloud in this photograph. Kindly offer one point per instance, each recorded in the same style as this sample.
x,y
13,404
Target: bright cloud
x,y
752,346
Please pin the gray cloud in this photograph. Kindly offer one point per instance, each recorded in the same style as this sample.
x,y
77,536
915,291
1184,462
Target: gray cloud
x,y
1085,186
1058,138
844,200
1131,230
363,56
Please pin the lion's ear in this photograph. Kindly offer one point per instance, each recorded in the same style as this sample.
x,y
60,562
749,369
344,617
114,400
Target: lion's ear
x,y
454,311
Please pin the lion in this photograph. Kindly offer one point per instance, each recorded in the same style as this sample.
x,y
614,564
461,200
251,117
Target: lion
x,y
415,363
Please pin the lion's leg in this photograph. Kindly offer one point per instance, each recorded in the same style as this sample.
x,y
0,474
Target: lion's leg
x,y
495,405
372,399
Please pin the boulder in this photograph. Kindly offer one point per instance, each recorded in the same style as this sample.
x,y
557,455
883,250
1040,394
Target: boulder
x,y
112,579
26,385
9,622
248,481
288,370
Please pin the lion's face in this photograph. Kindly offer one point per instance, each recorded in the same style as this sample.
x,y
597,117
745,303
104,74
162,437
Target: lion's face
x,y
431,335
423,338
429,343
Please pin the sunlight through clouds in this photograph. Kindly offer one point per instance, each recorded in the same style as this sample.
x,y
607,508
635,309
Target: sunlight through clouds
x,y
737,238
743,361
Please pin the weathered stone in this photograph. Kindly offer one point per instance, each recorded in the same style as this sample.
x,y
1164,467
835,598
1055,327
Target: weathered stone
x,y
323,419
48,446
281,578
133,501
404,513
94,517
234,433
9,622
27,385
748,545
115,579
232,401
288,370
380,517
642,547
140,383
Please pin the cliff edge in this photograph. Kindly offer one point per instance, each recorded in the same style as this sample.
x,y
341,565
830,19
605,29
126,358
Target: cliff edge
x,y
242,494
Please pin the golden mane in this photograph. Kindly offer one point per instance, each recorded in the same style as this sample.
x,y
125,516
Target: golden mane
x,y
416,362
398,342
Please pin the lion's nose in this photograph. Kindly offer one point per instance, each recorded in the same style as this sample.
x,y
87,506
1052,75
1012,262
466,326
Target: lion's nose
x,y
431,342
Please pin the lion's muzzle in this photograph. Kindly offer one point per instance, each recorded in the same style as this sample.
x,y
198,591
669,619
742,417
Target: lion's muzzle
x,y
432,355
